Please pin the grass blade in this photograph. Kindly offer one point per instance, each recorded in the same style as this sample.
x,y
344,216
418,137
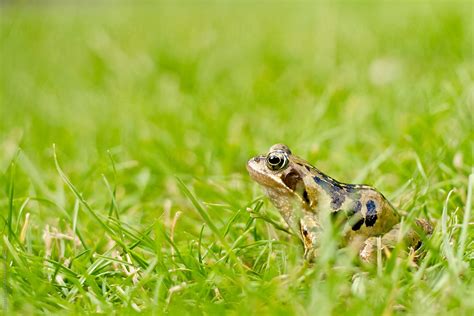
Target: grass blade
x,y
466,218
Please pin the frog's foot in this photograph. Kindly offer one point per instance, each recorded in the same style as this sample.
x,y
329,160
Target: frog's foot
x,y
412,239
368,252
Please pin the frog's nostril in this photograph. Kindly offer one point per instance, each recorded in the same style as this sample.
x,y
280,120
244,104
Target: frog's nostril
x,y
256,159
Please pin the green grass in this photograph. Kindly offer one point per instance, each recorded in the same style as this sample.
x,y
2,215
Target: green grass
x,y
144,203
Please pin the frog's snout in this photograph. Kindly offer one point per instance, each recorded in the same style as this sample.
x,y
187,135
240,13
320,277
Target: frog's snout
x,y
254,165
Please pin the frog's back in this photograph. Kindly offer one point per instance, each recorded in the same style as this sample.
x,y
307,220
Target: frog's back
x,y
371,214
368,212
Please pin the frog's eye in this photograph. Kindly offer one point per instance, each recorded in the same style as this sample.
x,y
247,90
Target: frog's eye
x,y
277,161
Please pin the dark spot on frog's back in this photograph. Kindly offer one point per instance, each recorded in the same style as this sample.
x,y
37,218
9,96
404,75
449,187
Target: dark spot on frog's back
x,y
333,189
336,200
318,180
371,215
358,225
356,210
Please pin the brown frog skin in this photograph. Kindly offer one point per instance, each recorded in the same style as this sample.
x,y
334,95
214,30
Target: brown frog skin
x,y
306,197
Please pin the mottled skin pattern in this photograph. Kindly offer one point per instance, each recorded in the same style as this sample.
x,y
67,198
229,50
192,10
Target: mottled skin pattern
x,y
305,197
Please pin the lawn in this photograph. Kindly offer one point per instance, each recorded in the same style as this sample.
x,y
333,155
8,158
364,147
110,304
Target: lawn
x,y
125,130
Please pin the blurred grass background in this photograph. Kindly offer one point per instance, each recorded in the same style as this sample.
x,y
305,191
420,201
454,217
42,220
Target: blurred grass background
x,y
369,92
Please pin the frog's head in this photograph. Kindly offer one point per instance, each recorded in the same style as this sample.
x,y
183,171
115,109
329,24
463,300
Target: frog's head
x,y
280,173
283,175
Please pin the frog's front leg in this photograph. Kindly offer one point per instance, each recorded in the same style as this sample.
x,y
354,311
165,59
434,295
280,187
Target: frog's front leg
x,y
309,231
412,239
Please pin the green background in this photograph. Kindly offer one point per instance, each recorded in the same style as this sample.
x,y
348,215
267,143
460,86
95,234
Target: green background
x,y
137,97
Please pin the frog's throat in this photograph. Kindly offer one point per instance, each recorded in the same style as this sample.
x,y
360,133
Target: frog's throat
x,y
289,205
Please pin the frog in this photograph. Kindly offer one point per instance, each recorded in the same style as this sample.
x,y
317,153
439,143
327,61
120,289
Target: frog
x,y
306,198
